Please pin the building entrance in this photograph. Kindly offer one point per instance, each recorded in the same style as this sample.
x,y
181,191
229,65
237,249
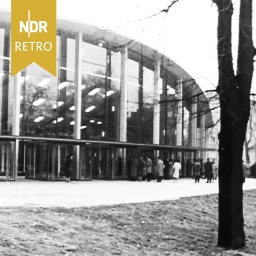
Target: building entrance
x,y
44,158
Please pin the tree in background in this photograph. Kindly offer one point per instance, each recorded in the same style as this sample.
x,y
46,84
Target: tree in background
x,y
234,92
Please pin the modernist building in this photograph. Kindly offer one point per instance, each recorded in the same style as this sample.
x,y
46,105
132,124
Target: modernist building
x,y
113,98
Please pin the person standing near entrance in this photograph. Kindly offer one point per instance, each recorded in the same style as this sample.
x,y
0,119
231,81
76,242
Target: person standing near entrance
x,y
68,166
160,169
197,168
148,168
208,171
141,168
166,168
176,170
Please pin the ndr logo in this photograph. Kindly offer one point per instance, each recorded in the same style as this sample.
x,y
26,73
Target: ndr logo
x,y
31,26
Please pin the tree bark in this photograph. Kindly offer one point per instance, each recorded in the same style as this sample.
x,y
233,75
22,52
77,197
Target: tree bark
x,y
234,94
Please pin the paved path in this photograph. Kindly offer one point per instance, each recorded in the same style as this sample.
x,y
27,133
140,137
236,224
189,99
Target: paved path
x,y
92,193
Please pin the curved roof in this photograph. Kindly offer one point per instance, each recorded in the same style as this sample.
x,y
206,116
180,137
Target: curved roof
x,y
136,51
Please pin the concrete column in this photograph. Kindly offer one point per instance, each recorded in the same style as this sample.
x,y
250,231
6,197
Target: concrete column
x,y
156,106
194,122
16,122
78,99
62,78
108,115
203,135
179,113
123,98
78,83
5,90
164,112
140,97
16,105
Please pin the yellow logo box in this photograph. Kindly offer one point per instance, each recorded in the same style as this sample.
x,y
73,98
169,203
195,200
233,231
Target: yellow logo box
x,y
33,34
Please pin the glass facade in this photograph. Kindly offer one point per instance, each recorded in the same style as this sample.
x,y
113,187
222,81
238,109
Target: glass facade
x,y
47,109
38,99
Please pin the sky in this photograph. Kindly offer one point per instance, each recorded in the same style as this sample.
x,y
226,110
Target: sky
x,y
187,34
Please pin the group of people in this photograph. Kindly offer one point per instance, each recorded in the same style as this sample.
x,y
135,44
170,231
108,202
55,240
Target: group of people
x,y
146,169
210,169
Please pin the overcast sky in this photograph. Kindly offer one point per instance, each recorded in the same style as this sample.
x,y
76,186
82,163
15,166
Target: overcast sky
x,y
187,34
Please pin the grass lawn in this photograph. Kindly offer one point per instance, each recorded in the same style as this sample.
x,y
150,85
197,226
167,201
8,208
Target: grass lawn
x,y
183,227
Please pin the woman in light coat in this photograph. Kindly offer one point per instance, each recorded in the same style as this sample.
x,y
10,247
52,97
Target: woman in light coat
x,y
176,169
160,169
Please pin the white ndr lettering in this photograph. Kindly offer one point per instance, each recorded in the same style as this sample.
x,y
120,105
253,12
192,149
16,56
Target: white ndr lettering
x,y
33,26
33,46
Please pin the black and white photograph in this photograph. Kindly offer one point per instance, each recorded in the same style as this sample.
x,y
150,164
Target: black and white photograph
x,y
127,128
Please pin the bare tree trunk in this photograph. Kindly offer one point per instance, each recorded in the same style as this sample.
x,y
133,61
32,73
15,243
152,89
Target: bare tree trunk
x,y
234,93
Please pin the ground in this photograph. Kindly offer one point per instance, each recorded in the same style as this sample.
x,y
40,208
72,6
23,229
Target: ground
x,y
181,227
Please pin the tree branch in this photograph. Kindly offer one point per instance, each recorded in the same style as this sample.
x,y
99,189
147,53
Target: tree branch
x,y
169,6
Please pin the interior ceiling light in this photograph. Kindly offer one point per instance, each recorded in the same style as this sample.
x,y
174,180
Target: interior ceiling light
x,y
21,97
58,120
38,102
83,127
38,119
101,43
44,82
110,92
72,108
63,85
83,86
60,103
21,115
94,91
170,90
72,122
89,109
92,121
99,122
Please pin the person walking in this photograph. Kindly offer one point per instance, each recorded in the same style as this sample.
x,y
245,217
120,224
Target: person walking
x,y
208,171
176,170
68,167
160,169
197,170
148,168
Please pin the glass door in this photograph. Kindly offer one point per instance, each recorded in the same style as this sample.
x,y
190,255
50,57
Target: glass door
x,y
6,161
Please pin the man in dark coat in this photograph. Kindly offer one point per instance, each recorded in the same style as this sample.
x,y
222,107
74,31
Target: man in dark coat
x,y
68,166
208,171
197,170
141,168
